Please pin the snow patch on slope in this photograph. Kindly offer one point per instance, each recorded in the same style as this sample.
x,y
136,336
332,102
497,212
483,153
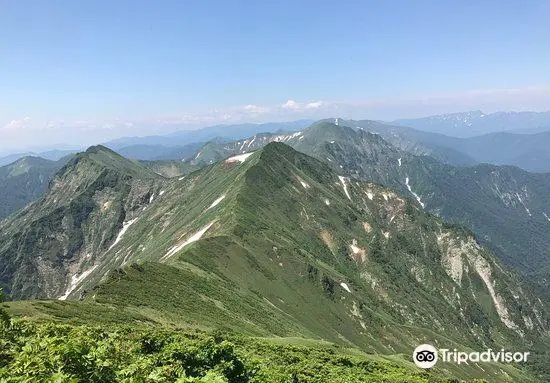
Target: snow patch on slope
x,y
343,181
251,141
305,185
523,203
125,227
195,237
216,202
239,158
345,287
286,137
354,248
413,193
75,280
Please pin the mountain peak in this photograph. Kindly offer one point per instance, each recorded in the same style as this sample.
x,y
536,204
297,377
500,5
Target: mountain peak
x,y
101,157
98,149
277,149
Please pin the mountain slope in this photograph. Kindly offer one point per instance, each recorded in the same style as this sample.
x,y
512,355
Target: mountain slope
x,y
505,206
87,202
310,253
420,143
24,181
527,151
158,152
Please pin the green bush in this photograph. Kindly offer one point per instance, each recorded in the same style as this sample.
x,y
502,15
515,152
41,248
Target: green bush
x,y
53,352
62,353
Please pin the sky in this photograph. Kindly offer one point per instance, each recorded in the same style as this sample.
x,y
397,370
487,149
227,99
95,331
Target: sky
x,y
82,72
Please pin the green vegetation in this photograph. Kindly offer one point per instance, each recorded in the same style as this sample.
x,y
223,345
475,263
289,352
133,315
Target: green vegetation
x,y
283,248
85,207
502,205
63,353
24,181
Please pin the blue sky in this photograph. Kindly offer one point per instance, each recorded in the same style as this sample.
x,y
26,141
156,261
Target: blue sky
x,y
92,70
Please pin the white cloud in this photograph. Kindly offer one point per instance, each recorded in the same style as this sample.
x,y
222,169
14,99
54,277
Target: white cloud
x,y
17,124
290,104
255,108
314,105
297,106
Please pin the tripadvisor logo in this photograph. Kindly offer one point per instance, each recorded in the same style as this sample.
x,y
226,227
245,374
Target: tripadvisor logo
x,y
426,356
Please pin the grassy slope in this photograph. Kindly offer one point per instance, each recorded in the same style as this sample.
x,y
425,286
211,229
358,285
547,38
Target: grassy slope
x,y
485,198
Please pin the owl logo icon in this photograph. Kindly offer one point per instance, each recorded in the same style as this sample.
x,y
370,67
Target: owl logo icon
x,y
425,356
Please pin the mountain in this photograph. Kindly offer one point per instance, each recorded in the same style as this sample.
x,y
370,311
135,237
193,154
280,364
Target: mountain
x,y
508,208
267,243
24,180
417,142
474,123
158,152
527,151
91,198
186,137
53,155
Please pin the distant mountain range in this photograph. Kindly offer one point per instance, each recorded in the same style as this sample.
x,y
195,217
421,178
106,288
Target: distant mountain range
x,y
53,155
504,138
494,139
475,123
232,132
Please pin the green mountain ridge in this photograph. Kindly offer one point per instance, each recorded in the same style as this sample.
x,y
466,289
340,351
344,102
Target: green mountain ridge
x,y
505,206
287,217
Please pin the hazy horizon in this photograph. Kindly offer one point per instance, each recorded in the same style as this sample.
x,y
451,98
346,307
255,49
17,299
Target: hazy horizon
x,y
183,128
